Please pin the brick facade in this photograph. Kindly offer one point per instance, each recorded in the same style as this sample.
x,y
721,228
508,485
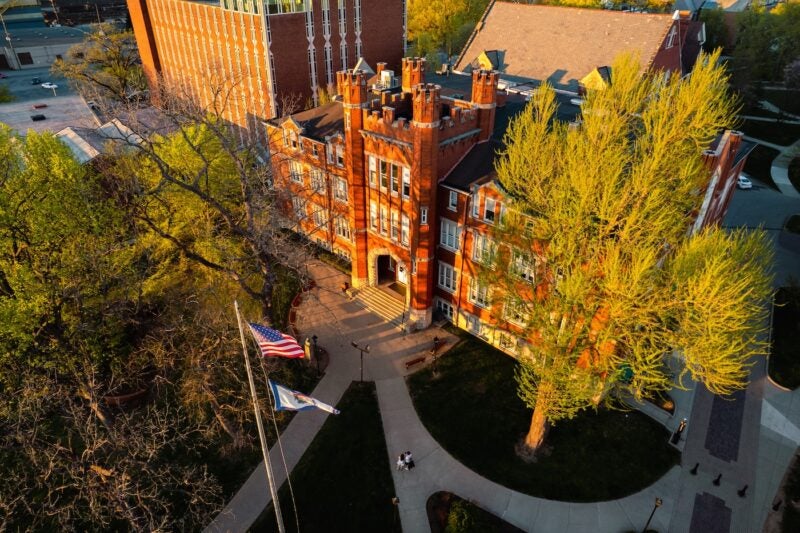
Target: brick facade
x,y
397,144
261,56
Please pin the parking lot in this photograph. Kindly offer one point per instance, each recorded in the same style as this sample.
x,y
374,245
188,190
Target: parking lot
x,y
63,109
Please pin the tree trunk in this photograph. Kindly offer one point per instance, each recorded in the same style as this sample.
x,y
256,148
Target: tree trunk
x,y
538,429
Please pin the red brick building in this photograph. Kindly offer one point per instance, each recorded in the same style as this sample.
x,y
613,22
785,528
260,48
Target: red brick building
x,y
397,177
243,57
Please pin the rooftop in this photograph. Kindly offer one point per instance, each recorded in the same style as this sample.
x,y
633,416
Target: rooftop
x,y
559,44
44,36
319,122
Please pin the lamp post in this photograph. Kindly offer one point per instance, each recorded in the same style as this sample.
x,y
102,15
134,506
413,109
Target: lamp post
x,y
657,504
316,356
364,349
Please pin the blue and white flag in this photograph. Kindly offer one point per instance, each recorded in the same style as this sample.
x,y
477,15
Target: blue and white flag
x,y
291,400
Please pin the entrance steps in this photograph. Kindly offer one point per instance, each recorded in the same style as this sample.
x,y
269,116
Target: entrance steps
x,y
384,305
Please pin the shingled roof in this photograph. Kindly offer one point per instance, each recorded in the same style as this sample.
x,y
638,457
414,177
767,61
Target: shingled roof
x,y
561,44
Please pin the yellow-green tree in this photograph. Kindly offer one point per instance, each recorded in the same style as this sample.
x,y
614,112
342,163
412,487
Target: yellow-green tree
x,y
105,64
445,24
602,213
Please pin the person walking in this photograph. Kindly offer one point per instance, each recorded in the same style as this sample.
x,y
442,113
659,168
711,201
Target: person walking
x,y
409,460
401,462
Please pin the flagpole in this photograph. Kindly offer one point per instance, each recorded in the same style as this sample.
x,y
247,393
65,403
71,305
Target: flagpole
x,y
261,435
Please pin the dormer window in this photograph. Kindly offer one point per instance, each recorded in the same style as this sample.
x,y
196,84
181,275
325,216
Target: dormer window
x,y
452,201
290,139
315,150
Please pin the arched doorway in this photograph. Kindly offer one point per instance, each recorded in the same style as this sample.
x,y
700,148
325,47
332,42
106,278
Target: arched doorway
x,y
390,273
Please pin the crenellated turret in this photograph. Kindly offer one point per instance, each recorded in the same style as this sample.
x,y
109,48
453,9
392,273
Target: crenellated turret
x,y
426,101
413,72
484,97
352,86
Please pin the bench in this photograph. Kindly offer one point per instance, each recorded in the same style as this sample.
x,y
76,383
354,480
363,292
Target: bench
x,y
415,361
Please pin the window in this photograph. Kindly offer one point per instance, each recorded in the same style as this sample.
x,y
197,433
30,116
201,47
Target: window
x,y
395,226
339,155
447,277
515,311
476,327
423,215
384,166
340,190
404,229
489,210
291,136
296,171
24,58
445,308
342,227
384,220
483,248
406,182
449,234
317,180
394,174
320,216
373,216
475,206
373,171
452,202
315,149
478,293
275,7
299,207
523,266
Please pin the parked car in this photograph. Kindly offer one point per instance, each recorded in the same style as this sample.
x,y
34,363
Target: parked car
x,y
36,81
744,182
38,106
48,85
2,76
37,118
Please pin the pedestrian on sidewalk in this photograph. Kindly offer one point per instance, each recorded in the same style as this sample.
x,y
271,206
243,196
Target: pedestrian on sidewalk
x,y
409,461
401,462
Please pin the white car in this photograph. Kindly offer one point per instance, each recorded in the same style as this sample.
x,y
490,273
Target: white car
x,y
48,85
744,182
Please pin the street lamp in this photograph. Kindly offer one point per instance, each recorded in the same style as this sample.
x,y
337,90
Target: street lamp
x,y
316,356
658,503
363,350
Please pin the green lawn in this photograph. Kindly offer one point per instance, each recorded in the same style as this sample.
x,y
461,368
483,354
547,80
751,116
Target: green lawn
x,y
472,409
784,360
343,482
774,132
759,163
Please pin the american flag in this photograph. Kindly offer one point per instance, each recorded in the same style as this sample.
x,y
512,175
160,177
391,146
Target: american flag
x,y
275,343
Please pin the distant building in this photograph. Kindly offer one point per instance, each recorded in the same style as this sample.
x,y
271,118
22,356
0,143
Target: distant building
x,y
36,47
398,178
528,44
264,51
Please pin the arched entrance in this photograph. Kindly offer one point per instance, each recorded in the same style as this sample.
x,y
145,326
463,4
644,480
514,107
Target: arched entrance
x,y
389,273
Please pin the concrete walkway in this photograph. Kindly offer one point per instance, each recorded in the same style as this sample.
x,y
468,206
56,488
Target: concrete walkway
x,y
750,441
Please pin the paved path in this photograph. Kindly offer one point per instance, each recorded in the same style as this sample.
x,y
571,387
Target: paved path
x,y
780,169
762,428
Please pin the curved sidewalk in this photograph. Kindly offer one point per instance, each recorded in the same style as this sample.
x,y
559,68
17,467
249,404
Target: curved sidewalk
x,y
336,321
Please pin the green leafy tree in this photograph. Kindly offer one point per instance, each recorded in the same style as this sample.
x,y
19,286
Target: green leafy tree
x,y
105,64
716,29
601,213
444,23
767,41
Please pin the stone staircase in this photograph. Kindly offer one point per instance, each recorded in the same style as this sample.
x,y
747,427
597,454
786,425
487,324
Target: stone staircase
x,y
384,305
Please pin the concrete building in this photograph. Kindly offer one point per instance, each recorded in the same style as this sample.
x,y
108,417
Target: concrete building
x,y
246,58
398,178
25,47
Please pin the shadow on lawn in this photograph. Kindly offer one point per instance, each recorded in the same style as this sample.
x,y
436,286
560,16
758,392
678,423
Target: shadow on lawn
x,y
473,411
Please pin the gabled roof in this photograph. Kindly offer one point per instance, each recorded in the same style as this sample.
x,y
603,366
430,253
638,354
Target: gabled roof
x,y
560,44
317,123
